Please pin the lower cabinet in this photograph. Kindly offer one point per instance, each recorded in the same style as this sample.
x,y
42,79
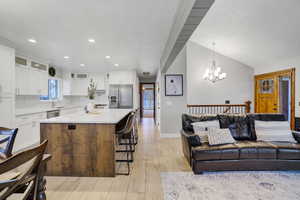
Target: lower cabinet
x,y
29,130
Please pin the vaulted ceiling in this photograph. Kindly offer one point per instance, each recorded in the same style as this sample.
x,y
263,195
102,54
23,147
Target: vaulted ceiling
x,y
132,32
258,33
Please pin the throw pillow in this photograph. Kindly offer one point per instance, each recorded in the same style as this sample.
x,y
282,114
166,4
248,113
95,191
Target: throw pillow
x,y
201,128
194,140
296,135
239,131
218,136
274,131
188,119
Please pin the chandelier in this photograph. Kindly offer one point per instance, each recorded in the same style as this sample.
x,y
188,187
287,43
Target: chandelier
x,y
214,73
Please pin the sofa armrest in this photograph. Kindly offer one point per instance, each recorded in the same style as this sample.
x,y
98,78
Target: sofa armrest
x,y
296,135
189,140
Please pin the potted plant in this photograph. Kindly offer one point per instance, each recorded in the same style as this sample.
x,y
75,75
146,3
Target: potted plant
x,y
91,95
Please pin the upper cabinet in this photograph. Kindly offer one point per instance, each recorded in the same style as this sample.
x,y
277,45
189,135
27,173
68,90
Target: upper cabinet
x,y
31,77
100,81
7,71
76,84
122,77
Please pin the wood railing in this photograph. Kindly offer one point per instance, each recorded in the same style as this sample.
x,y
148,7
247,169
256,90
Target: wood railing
x,y
220,108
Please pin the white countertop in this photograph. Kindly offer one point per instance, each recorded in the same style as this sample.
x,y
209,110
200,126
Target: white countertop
x,y
103,116
27,111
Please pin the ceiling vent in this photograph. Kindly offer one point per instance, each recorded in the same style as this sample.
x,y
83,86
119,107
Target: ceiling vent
x,y
79,75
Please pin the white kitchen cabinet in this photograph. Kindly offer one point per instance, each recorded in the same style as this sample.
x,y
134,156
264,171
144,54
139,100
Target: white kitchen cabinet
x,y
38,82
80,87
7,110
99,79
7,85
43,83
122,77
29,130
67,87
31,81
22,75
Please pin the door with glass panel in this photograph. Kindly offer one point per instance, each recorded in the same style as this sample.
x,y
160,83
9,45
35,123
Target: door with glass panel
x,y
275,93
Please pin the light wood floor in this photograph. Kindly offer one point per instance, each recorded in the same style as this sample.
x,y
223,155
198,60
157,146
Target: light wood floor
x,y
153,155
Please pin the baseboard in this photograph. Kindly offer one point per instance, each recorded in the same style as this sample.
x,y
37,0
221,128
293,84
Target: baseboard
x,y
169,135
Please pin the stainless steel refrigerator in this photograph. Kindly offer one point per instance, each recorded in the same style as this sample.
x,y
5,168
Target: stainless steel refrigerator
x,y
120,96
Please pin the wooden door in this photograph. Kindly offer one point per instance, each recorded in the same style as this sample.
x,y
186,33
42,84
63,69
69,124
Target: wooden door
x,y
267,94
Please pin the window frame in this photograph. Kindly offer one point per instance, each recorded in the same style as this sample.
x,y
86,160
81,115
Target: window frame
x,y
59,91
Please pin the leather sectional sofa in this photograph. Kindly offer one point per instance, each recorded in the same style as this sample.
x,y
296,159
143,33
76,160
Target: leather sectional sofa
x,y
245,154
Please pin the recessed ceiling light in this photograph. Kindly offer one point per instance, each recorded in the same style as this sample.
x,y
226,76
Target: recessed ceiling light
x,y
91,40
31,40
116,65
82,65
66,57
107,57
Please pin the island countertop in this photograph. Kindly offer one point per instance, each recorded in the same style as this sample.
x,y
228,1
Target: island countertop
x,y
100,116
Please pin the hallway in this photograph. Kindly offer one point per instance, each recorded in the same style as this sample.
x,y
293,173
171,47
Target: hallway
x,y
153,155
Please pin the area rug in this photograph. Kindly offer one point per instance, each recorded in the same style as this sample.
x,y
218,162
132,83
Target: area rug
x,y
231,186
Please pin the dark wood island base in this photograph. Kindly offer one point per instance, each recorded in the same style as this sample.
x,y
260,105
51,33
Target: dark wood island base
x,y
80,149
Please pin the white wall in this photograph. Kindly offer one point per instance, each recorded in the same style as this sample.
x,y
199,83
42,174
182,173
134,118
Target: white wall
x,y
173,106
237,87
285,64
192,63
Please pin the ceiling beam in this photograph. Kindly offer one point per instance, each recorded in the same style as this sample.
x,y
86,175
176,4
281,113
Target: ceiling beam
x,y
188,16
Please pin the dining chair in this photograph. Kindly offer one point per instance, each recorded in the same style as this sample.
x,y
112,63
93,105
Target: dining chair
x,y
28,163
7,141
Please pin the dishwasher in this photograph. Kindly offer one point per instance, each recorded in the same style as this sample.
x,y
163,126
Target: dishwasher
x,y
53,114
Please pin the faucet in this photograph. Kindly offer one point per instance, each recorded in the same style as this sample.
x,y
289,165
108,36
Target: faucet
x,y
53,104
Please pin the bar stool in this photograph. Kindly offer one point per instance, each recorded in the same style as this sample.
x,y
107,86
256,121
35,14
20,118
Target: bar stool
x,y
126,134
134,134
136,128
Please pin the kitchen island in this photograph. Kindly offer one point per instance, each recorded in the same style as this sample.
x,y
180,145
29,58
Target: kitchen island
x,y
82,144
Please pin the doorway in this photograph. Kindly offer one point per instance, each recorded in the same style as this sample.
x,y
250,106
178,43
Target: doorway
x,y
285,97
147,94
275,93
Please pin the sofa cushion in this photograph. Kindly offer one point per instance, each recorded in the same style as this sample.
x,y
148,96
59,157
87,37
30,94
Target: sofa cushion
x,y
187,120
241,121
217,136
256,150
194,140
219,152
269,117
287,151
296,135
201,128
279,131
239,131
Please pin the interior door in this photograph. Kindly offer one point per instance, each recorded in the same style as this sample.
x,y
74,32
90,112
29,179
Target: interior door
x,y
267,90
